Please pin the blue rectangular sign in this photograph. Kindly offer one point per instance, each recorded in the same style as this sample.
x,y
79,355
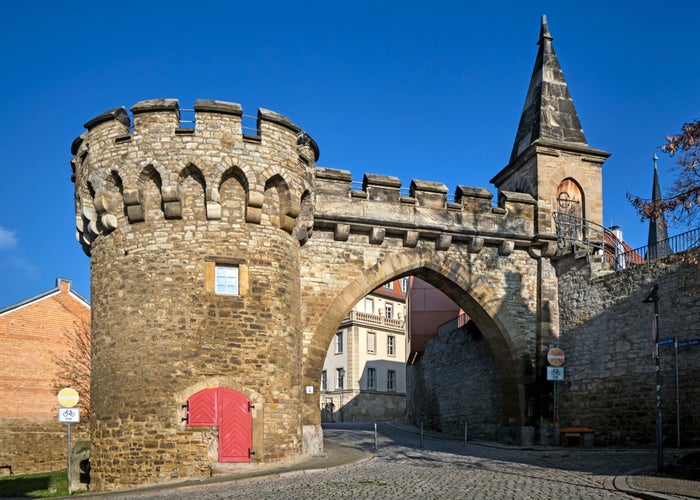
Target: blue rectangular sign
x,y
667,341
689,343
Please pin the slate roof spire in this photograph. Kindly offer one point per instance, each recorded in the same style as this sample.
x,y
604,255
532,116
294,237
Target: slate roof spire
x,y
658,234
549,111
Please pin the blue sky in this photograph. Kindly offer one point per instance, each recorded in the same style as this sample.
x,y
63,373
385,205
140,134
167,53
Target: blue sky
x,y
419,90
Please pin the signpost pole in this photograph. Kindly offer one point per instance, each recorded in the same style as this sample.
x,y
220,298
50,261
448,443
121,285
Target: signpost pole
x,y
68,398
69,475
555,372
653,296
678,399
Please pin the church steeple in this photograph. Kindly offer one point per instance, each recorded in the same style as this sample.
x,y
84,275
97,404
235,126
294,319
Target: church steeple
x,y
549,111
551,159
658,234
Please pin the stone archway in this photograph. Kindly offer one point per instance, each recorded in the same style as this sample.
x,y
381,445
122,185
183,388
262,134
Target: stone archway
x,y
486,304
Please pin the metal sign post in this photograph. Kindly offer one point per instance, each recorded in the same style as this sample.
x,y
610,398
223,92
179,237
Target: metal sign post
x,y
68,398
653,296
555,372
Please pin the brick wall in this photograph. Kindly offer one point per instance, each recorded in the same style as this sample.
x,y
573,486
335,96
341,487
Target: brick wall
x,y
33,335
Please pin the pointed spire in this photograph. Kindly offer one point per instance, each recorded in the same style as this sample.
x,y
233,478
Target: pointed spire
x,y
658,234
549,111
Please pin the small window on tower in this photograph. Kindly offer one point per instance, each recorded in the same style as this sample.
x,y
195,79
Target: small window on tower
x,y
226,278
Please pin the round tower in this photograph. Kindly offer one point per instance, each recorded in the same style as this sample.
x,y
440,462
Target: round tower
x,y
194,236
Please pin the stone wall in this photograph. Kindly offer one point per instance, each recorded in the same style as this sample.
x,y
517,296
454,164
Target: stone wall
x,y
31,445
454,381
610,382
367,406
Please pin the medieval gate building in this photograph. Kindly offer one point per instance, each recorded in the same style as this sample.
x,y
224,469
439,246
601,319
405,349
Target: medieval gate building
x,y
222,264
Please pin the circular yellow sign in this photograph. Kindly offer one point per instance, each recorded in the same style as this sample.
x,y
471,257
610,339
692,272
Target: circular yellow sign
x,y
68,397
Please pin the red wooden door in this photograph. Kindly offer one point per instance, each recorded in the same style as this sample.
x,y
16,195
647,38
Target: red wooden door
x,y
228,410
235,429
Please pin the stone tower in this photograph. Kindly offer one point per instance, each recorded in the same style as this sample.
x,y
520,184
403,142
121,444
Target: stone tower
x,y
186,229
551,159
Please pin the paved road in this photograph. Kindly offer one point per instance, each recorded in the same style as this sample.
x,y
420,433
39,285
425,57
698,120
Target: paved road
x,y
440,469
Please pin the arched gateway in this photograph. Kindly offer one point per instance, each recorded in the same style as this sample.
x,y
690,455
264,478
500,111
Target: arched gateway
x,y
222,264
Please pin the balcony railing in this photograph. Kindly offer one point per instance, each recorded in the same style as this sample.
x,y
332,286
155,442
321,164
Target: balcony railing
x,y
374,320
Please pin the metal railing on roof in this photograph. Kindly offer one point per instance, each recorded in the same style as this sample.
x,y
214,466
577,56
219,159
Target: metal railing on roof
x,y
249,123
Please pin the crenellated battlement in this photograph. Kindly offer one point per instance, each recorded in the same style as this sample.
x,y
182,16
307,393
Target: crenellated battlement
x,y
380,209
132,170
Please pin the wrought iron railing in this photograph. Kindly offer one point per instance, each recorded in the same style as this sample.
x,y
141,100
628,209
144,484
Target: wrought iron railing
x,y
674,244
592,237
602,241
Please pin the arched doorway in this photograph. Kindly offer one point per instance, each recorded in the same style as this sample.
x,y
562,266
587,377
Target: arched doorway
x,y
570,207
228,410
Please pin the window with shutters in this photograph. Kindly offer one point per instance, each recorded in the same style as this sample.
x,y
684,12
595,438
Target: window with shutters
x,y
371,342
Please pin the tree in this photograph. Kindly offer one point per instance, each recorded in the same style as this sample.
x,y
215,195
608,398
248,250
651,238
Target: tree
x,y
73,368
683,202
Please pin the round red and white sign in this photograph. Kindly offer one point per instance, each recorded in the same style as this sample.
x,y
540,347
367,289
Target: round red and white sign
x,y
556,356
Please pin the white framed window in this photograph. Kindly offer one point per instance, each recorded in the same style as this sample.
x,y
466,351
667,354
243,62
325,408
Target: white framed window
x,y
226,280
389,310
324,380
404,284
339,342
391,345
371,342
340,381
389,286
371,378
391,380
369,306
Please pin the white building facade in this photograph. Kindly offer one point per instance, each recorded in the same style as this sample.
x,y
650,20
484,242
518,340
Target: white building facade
x,y
364,374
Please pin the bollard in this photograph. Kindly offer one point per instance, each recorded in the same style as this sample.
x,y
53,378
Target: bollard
x,y
375,435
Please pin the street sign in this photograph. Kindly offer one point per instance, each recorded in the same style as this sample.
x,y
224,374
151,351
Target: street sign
x,y
689,343
556,356
68,397
555,373
69,415
667,341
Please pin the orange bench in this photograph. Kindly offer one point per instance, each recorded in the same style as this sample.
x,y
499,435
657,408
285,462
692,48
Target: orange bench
x,y
578,436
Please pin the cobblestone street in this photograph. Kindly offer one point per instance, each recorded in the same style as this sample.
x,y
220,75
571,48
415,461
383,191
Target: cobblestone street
x,y
442,468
